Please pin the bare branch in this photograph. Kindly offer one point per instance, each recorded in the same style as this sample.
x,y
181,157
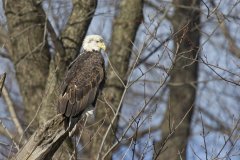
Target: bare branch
x,y
46,140
9,134
233,48
2,80
12,112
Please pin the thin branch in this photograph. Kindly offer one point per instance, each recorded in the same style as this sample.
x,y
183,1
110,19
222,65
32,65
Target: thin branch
x,y
137,115
164,141
204,138
127,150
160,46
12,112
208,10
135,138
228,139
9,134
233,48
2,80
115,72
227,80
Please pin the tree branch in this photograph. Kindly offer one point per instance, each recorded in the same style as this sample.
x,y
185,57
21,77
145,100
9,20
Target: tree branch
x,y
2,80
12,112
46,139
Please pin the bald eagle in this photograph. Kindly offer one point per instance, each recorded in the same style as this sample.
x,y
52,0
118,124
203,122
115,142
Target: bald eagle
x,y
84,79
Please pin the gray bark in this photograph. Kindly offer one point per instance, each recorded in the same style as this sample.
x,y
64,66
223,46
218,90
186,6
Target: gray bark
x,y
29,52
186,20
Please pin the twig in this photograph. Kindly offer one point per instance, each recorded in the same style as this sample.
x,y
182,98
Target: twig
x,y
160,46
109,105
137,115
227,80
204,138
2,80
143,108
208,10
127,150
9,134
30,123
171,133
97,132
12,112
115,72
228,139
194,152
112,122
117,111
135,138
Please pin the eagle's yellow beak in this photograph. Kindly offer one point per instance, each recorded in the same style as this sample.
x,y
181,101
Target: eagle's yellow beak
x,y
102,45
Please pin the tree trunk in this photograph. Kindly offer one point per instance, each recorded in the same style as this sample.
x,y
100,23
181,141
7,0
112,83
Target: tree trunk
x,y
35,71
124,31
29,52
66,51
183,80
71,41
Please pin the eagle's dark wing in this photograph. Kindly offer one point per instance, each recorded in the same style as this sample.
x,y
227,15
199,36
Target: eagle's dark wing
x,y
81,84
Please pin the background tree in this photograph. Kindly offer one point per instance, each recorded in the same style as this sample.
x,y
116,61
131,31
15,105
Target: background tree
x,y
172,90
183,78
125,27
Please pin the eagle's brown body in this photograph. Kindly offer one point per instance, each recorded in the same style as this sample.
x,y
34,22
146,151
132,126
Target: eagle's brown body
x,y
83,81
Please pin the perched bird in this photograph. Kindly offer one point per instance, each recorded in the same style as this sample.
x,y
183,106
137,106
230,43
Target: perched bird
x,y
84,79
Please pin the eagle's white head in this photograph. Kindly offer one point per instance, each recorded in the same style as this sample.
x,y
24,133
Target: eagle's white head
x,y
93,43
